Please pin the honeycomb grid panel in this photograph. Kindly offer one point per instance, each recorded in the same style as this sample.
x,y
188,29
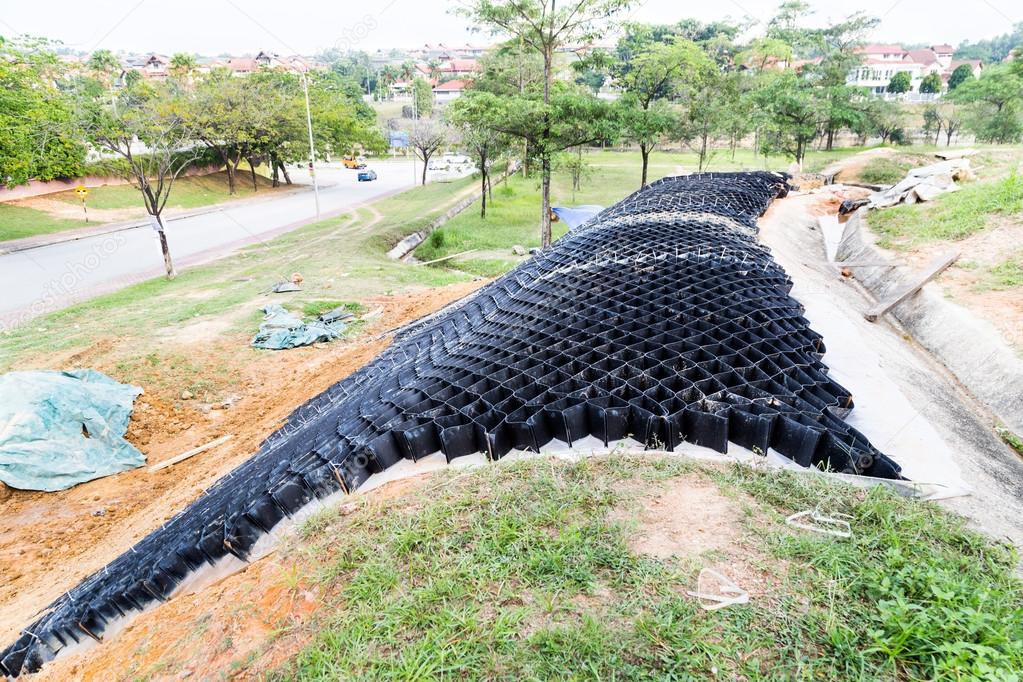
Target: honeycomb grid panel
x,y
662,319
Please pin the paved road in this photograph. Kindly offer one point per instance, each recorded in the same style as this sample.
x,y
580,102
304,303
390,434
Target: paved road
x,y
52,277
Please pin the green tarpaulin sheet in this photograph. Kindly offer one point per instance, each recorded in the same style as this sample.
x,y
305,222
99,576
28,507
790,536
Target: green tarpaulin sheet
x,y
280,329
59,429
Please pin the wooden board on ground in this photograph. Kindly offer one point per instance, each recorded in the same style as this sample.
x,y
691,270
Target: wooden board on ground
x,y
933,269
189,453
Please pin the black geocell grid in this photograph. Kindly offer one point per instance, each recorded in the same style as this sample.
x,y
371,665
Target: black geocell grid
x,y
662,319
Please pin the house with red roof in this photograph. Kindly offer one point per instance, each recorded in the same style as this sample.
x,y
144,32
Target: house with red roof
x,y
881,61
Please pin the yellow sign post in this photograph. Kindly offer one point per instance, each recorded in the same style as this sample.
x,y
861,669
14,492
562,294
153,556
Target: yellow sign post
x,y
83,193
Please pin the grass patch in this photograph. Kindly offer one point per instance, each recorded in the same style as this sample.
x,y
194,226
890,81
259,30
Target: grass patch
x,y
524,571
189,192
1011,439
951,217
17,222
1008,273
884,171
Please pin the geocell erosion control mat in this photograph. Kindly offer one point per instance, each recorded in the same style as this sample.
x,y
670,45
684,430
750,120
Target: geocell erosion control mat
x,y
661,319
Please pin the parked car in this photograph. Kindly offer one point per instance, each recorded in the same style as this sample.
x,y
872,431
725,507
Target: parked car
x,y
367,175
354,162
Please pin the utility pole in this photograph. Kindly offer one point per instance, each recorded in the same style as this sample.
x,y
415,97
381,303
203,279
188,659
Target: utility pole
x,y
312,150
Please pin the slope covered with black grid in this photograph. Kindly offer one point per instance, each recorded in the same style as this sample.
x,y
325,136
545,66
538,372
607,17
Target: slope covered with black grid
x,y
661,320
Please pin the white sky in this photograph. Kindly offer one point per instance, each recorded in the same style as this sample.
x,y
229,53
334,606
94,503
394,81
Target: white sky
x,y
305,26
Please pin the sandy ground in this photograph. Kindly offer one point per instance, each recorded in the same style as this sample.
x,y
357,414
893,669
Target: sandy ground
x,y
50,541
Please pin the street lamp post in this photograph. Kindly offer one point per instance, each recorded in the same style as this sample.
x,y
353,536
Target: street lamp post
x,y
312,150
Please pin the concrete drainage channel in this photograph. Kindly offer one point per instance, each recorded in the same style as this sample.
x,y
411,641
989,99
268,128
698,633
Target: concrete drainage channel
x,y
968,346
661,321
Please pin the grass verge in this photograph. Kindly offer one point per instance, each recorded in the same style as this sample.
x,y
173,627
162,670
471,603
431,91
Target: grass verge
x,y
18,222
528,571
954,216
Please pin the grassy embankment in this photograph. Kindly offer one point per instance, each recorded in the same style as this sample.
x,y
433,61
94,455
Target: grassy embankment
x,y
18,221
539,570
513,217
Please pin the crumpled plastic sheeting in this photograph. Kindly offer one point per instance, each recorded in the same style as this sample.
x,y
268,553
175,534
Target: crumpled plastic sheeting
x,y
574,216
661,320
59,429
924,184
280,329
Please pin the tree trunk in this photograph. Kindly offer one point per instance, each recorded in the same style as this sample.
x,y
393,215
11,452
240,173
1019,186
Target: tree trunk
x,y
545,217
230,177
483,195
275,178
252,170
426,162
284,170
644,153
168,264
829,145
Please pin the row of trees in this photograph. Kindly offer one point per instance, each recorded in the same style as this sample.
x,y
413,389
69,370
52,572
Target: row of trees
x,y
52,121
697,84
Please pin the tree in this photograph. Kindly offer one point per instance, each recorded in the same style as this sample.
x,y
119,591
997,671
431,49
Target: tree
x,y
792,114
426,137
645,127
993,50
887,119
544,26
931,83
662,71
932,122
183,65
951,120
900,83
474,116
960,75
577,167
146,116
994,104
37,136
568,119
104,66
423,94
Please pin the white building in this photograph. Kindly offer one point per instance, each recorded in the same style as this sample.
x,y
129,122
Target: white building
x,y
882,61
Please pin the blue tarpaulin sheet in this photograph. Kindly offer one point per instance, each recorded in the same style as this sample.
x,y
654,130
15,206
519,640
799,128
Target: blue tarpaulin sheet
x,y
59,429
574,216
280,329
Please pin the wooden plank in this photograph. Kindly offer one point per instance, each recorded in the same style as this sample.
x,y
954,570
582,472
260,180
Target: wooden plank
x,y
189,453
442,258
937,266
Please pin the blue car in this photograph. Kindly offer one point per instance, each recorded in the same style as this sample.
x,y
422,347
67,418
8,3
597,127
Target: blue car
x,y
367,176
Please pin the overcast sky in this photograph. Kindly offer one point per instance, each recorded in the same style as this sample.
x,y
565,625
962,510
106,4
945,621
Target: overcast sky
x,y
238,26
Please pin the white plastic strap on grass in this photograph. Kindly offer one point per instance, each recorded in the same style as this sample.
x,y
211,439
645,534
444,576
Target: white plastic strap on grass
x,y
718,594
814,521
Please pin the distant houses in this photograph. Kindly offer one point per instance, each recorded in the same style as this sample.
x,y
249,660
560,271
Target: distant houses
x,y
882,61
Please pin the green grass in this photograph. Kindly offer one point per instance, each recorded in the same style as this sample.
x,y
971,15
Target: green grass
x,y
513,217
1011,439
342,256
524,571
1008,273
189,192
951,217
884,171
17,222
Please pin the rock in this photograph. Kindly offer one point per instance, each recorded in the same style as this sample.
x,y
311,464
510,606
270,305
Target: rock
x,y
519,250
186,395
